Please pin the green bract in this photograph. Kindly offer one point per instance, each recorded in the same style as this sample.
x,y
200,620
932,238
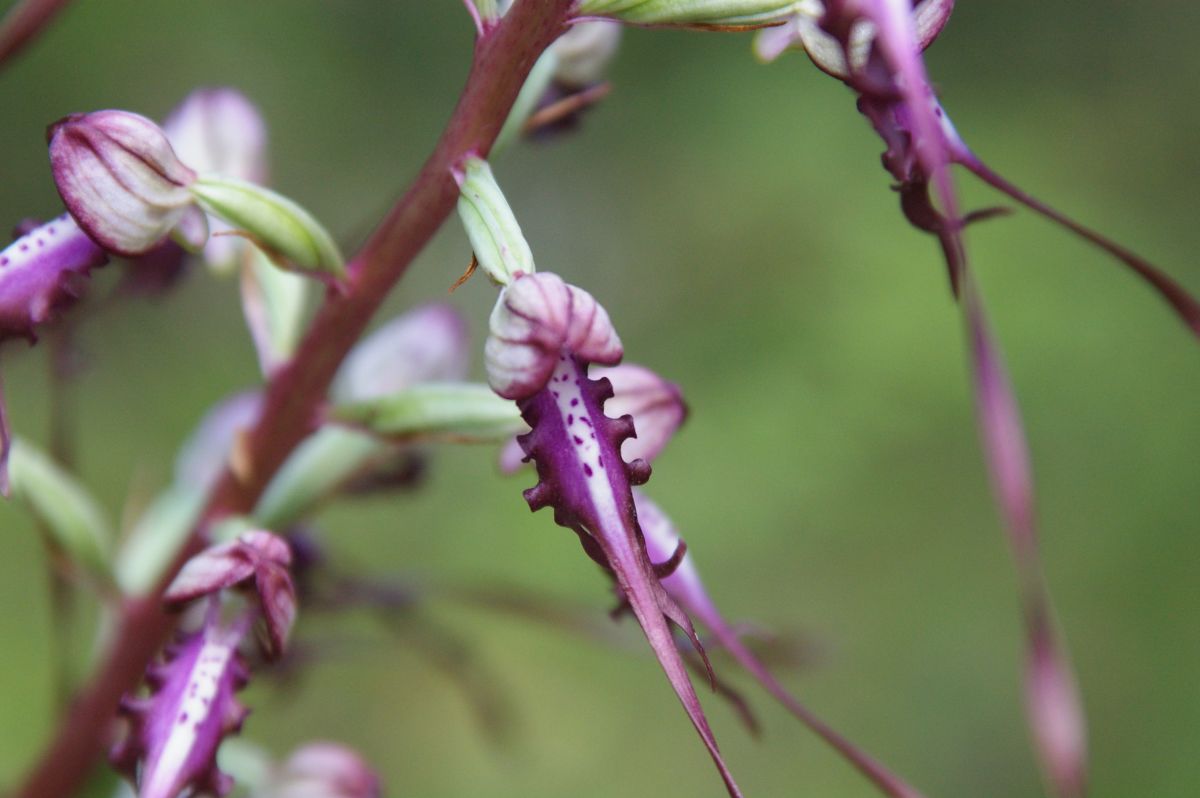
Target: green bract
x,y
316,469
691,12
68,512
460,412
279,226
499,245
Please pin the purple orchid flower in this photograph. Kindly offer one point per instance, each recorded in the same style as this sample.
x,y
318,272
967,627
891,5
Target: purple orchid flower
x,y
544,335
175,732
658,409
922,145
874,46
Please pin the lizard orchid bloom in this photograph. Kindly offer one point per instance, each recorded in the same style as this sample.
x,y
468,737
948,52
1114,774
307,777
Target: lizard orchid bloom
x,y
874,46
174,733
922,144
544,335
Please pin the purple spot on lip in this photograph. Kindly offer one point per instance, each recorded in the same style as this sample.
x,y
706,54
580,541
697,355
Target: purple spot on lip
x,y
41,243
586,420
24,247
578,440
587,469
574,402
599,462
570,419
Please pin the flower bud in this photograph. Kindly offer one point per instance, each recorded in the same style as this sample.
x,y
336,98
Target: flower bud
x,y
325,770
119,178
42,271
500,247
536,318
583,53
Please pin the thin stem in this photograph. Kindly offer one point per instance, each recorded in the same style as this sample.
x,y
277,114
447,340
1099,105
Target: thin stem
x,y
503,58
23,22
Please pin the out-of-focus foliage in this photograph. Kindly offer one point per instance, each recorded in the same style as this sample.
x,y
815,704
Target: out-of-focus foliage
x,y
734,220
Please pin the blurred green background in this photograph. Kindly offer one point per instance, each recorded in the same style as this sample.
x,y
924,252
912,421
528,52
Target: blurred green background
x,y
735,221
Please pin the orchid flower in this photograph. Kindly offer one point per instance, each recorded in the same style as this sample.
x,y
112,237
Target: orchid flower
x,y
658,409
874,47
544,335
174,733
895,95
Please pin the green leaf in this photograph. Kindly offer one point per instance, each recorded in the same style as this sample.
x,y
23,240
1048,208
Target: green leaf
x,y
70,515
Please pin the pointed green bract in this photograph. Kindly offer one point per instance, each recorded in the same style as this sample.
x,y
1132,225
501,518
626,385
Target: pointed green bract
x,y
70,515
691,12
495,235
281,228
460,412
